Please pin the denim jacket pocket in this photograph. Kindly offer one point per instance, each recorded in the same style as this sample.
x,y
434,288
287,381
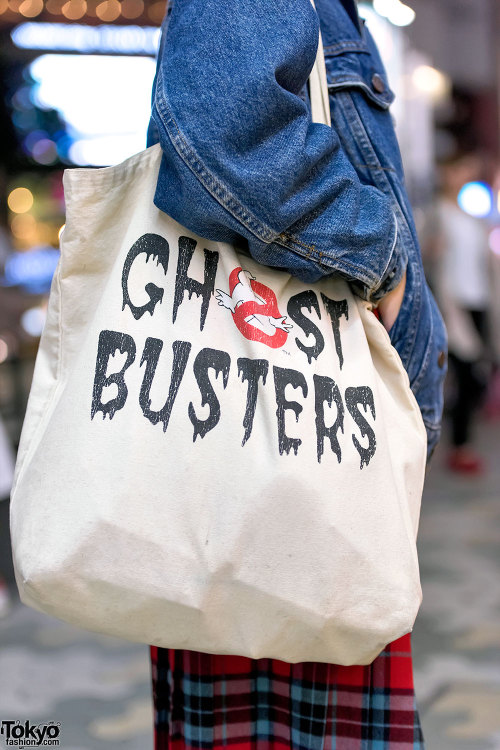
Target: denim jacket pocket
x,y
360,97
350,65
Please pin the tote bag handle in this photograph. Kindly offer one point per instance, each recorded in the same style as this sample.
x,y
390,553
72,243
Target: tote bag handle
x,y
318,88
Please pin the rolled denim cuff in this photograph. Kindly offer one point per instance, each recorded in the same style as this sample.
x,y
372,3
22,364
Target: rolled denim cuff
x,y
392,275
394,272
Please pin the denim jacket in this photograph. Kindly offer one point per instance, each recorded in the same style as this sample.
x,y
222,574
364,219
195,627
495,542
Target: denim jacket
x,y
242,159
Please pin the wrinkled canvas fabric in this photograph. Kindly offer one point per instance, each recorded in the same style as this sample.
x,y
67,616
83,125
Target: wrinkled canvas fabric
x,y
215,455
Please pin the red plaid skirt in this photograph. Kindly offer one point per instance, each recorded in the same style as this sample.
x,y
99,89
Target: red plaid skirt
x,y
207,701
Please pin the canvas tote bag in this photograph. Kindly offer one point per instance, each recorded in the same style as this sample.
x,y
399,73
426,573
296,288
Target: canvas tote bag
x,y
215,455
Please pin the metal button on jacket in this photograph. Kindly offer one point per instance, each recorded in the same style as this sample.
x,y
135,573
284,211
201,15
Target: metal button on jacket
x,y
377,83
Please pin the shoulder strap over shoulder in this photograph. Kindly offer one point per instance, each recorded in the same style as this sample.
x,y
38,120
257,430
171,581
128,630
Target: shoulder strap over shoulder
x,y
318,89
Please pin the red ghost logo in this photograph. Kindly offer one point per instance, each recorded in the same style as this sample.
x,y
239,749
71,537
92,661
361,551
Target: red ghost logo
x,y
255,309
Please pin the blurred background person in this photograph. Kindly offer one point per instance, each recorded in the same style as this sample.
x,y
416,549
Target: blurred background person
x,y
463,287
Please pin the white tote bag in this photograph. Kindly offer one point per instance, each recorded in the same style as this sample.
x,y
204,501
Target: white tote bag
x,y
215,456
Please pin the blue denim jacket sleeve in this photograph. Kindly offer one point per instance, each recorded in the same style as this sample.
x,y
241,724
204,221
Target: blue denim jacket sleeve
x,y
242,158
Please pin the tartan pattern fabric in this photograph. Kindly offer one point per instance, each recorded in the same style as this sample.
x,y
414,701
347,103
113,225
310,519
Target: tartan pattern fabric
x,y
207,701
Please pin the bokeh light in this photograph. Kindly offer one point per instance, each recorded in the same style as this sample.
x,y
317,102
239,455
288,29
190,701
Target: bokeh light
x,y
156,11
132,8
395,11
74,9
4,350
22,99
430,81
109,10
23,227
45,151
24,120
54,6
20,200
32,139
476,199
494,240
31,8
33,321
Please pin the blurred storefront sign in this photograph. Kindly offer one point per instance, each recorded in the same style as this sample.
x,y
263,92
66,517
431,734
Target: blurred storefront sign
x,y
59,37
31,270
104,101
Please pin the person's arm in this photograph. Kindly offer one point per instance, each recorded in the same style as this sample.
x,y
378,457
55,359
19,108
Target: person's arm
x,y
390,305
241,157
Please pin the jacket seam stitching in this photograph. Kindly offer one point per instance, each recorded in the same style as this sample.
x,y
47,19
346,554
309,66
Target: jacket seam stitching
x,y
362,138
353,46
341,265
374,166
217,188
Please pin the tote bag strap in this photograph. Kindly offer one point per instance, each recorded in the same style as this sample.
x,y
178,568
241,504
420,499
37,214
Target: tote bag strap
x,y
318,89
